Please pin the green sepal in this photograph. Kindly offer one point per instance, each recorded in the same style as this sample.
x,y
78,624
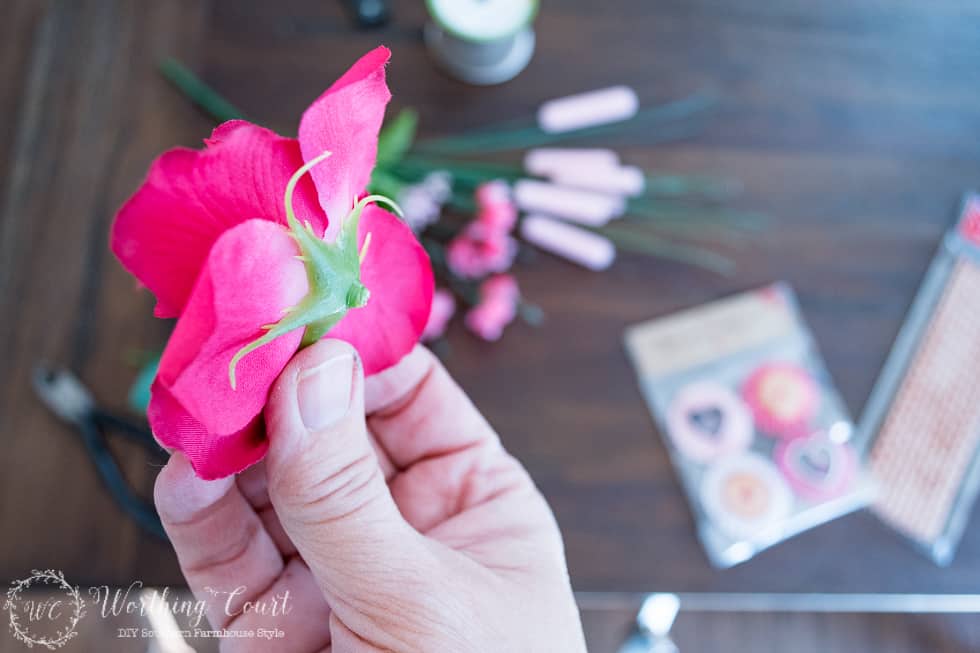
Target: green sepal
x,y
333,271
397,136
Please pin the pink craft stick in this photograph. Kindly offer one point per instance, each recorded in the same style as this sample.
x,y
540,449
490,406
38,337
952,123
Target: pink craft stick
x,y
577,245
582,206
623,180
546,161
588,109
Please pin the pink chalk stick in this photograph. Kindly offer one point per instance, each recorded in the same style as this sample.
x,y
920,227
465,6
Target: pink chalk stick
x,y
588,109
582,206
577,245
623,180
546,161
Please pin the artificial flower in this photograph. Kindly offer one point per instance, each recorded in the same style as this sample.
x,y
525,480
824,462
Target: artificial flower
x,y
477,252
422,203
496,209
485,245
257,259
499,296
498,219
443,309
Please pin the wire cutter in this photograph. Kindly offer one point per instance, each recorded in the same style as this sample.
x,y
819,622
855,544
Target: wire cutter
x,y
69,399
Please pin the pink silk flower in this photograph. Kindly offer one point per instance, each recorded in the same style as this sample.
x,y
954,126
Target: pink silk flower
x,y
207,234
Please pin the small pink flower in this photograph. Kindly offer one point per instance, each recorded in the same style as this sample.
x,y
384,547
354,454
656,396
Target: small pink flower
x,y
496,212
422,203
498,219
443,309
478,252
500,287
499,296
492,193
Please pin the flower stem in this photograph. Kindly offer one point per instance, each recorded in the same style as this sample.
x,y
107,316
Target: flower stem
x,y
194,88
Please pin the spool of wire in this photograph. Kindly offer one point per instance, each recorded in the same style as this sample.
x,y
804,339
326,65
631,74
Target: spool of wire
x,y
481,41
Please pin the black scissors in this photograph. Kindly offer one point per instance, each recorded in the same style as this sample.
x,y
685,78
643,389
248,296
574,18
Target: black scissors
x,y
67,398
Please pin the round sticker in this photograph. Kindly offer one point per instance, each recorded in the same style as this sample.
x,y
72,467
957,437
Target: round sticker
x,y
744,494
706,420
817,467
784,399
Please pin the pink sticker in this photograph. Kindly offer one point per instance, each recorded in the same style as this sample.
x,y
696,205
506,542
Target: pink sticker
x,y
784,399
817,467
971,222
745,496
707,420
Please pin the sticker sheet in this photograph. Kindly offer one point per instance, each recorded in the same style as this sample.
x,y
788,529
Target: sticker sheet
x,y
757,432
921,428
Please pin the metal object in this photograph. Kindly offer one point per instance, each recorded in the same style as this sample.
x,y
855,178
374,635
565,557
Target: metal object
x,y
482,64
769,602
653,624
70,400
369,13
481,41
657,611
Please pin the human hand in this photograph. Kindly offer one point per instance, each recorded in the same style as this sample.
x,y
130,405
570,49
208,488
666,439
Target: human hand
x,y
408,530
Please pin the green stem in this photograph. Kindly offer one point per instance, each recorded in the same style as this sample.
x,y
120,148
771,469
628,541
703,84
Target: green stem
x,y
663,248
495,139
202,95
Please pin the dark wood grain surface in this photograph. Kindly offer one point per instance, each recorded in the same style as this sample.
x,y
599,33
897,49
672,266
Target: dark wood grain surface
x,y
854,123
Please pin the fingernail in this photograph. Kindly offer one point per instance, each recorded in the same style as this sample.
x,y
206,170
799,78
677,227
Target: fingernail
x,y
324,392
182,494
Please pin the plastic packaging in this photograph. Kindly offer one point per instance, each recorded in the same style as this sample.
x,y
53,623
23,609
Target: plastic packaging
x,y
754,426
921,428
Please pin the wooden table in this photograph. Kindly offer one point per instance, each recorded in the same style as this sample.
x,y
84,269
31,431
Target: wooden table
x,y
855,124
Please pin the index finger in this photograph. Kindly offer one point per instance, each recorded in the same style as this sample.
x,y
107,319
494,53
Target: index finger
x,y
417,411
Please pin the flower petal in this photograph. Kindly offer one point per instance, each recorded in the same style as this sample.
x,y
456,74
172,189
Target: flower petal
x,y
345,120
398,274
163,234
250,278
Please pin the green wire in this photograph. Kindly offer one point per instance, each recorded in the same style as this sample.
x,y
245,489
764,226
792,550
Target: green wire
x,y
192,86
494,139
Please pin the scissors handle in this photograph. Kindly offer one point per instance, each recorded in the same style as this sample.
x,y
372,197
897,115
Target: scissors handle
x,y
132,504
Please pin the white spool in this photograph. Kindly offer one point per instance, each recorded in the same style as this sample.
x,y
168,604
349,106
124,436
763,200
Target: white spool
x,y
481,41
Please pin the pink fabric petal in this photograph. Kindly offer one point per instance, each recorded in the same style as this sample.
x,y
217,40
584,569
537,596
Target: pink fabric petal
x,y
345,120
163,234
399,276
251,276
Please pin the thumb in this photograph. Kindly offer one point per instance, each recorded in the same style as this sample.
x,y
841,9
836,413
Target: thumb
x,y
325,482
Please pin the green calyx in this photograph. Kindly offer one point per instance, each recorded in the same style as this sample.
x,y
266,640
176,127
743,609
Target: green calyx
x,y
333,270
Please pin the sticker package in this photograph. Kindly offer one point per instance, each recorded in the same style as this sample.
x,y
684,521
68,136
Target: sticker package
x,y
921,429
760,438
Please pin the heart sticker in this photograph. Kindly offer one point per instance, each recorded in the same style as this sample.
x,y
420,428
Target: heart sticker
x,y
706,420
744,495
817,467
709,420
